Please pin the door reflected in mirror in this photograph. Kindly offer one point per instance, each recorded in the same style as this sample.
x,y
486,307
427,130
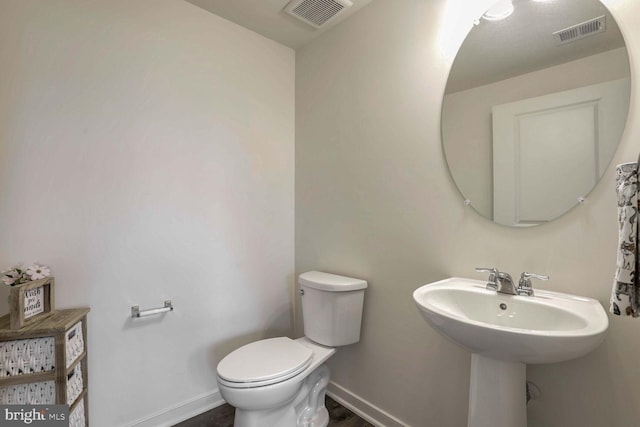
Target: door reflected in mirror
x,y
534,109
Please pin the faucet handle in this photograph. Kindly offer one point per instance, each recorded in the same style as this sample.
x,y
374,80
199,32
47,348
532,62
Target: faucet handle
x,y
487,269
524,286
491,283
526,275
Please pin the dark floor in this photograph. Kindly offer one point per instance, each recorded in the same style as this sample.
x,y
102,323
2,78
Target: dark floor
x,y
222,416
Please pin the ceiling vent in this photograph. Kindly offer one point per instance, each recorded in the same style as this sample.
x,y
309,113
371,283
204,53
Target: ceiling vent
x,y
317,12
576,32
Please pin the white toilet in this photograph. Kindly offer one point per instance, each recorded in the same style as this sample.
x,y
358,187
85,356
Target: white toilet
x,y
281,382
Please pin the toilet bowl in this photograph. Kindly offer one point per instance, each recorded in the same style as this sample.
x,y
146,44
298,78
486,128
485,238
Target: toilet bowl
x,y
282,382
280,399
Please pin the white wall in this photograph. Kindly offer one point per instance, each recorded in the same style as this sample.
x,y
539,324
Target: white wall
x,y
147,153
374,199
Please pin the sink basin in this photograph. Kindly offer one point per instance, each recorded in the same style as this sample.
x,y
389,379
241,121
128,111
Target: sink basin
x,y
506,332
544,328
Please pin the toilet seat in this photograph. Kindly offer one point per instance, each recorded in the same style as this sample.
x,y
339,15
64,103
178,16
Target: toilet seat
x,y
264,362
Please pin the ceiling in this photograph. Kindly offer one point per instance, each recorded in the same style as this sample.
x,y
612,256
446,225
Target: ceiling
x,y
493,50
524,42
267,17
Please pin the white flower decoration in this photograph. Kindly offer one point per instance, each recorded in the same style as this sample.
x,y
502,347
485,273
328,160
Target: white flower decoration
x,y
10,277
17,275
36,271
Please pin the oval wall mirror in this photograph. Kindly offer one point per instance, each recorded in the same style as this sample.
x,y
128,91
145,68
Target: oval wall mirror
x,y
534,108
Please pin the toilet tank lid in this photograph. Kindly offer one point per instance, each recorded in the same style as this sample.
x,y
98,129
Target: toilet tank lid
x,y
330,282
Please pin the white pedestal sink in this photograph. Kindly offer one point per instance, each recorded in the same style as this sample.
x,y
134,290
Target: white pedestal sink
x,y
504,333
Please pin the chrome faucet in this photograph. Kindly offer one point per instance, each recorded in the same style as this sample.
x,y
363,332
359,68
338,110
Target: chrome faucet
x,y
502,282
505,284
499,281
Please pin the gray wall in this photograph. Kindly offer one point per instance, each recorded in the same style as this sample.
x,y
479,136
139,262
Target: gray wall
x,y
374,200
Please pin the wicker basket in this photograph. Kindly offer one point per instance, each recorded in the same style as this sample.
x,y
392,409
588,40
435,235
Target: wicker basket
x,y
35,355
74,384
30,356
75,343
40,393
76,419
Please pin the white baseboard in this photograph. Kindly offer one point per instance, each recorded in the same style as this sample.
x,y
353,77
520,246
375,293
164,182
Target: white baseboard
x,y
181,411
199,404
362,408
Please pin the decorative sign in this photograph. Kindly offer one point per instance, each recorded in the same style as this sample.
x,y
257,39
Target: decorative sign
x,y
33,302
30,302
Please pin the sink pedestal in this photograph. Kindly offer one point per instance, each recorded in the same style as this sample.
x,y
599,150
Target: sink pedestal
x,y
497,393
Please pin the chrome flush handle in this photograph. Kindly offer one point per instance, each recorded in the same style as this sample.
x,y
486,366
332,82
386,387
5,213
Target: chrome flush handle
x,y
524,285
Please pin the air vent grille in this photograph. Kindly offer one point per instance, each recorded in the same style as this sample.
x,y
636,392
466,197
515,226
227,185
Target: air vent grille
x,y
316,12
579,31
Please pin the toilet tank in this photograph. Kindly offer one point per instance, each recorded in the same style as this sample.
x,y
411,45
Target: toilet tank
x,y
331,307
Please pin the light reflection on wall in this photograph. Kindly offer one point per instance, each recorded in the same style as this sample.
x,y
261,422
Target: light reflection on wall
x,y
458,19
